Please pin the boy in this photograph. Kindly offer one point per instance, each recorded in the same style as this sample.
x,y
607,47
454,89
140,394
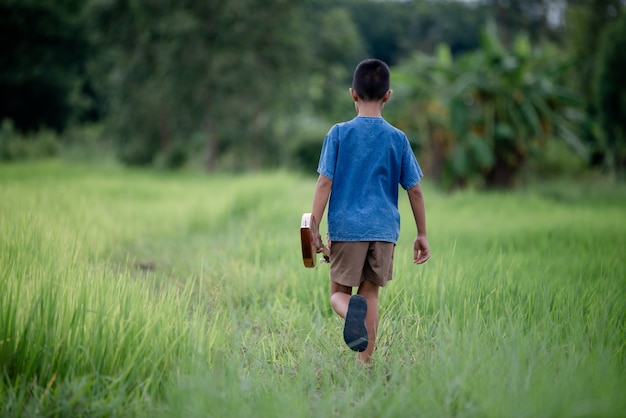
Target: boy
x,y
361,164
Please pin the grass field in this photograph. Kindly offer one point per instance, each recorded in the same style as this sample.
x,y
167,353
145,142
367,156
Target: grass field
x,y
135,293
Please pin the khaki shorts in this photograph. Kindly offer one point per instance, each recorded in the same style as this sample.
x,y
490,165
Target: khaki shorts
x,y
353,262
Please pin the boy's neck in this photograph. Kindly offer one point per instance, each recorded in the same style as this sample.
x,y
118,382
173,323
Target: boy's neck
x,y
371,109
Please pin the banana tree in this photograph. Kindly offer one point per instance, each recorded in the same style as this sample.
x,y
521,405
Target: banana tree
x,y
490,111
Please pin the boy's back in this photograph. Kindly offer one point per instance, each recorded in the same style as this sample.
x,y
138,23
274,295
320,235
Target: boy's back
x,y
366,158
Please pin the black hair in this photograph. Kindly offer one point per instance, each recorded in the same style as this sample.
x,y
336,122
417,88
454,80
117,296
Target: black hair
x,y
371,79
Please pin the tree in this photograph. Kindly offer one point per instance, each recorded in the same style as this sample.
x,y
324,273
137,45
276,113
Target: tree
x,y
44,51
531,16
176,69
586,20
486,113
338,47
610,87
391,30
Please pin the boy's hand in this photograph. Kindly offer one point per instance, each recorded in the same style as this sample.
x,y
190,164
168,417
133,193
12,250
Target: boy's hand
x,y
421,250
316,241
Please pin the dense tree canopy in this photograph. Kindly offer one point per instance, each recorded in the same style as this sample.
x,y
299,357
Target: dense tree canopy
x,y
251,83
44,51
610,87
214,69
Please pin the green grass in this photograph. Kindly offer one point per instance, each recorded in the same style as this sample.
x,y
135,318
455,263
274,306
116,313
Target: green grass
x,y
133,293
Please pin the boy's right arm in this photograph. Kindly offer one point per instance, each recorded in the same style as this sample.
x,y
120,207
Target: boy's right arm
x,y
320,198
421,249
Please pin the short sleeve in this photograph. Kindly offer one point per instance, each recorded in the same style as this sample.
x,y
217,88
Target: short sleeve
x,y
328,155
411,173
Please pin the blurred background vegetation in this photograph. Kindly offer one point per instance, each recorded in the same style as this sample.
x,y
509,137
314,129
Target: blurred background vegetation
x,y
489,92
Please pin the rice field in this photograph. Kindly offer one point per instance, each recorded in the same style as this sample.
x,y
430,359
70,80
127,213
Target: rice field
x,y
130,293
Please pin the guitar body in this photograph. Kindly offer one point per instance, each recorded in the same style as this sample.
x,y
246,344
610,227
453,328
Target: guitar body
x,y
308,230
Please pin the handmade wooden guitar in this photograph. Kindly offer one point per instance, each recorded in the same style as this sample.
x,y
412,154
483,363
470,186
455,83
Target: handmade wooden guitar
x,y
309,229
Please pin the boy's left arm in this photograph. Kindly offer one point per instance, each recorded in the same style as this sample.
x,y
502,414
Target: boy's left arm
x,y
421,249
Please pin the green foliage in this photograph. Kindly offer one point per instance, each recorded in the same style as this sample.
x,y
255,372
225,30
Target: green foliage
x,y
15,146
383,35
430,24
220,83
586,21
338,47
44,53
174,157
538,18
306,135
557,161
485,114
393,30
128,293
610,86
219,68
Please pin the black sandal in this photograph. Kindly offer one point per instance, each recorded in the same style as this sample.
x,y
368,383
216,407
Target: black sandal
x,y
354,330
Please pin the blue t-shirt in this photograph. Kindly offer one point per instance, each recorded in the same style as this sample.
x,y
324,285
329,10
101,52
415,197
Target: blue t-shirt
x,y
366,158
